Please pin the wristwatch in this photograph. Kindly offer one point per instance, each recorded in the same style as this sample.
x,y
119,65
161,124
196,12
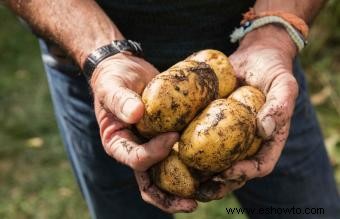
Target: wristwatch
x,y
116,46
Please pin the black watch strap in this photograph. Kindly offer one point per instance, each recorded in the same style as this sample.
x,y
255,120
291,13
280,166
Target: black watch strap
x,y
111,49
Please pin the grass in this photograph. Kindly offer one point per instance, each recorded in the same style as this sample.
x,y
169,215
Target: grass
x,y
35,177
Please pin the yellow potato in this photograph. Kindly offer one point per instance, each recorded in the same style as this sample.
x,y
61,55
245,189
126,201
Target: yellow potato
x,y
254,147
253,98
222,68
173,98
173,176
218,136
249,96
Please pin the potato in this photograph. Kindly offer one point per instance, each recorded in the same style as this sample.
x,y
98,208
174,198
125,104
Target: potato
x,y
253,98
173,98
173,176
249,96
222,68
254,147
224,132
218,136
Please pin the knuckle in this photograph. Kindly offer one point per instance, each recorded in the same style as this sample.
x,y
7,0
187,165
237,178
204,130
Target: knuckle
x,y
110,145
139,163
293,85
109,149
145,197
266,170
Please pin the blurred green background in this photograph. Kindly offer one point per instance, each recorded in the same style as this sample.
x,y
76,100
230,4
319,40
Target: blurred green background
x,y
35,177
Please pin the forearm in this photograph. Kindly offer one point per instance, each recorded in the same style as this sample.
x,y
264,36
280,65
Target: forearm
x,y
275,35
78,26
305,9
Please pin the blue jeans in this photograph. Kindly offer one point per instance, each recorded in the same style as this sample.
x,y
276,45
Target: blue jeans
x,y
303,177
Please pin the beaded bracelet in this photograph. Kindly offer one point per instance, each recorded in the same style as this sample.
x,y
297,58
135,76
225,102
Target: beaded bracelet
x,y
295,26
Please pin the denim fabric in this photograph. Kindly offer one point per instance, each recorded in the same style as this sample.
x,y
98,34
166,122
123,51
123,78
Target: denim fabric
x,y
302,178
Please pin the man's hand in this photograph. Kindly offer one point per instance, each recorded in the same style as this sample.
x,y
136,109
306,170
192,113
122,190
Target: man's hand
x,y
117,84
264,60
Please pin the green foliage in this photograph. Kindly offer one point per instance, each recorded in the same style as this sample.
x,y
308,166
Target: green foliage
x,y
321,59
35,176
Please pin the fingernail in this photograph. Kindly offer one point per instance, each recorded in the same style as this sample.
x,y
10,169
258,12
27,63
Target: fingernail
x,y
268,126
129,107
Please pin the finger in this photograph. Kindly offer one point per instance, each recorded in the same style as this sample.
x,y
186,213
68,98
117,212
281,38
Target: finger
x,y
262,163
217,188
166,202
123,102
117,83
279,106
120,143
123,148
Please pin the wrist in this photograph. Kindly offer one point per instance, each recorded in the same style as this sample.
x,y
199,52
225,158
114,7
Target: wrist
x,y
89,45
270,36
128,47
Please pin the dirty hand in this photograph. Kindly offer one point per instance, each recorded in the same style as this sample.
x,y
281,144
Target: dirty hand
x,y
117,84
264,60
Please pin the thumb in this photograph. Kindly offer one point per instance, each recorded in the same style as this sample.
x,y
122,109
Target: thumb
x,y
123,103
279,106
